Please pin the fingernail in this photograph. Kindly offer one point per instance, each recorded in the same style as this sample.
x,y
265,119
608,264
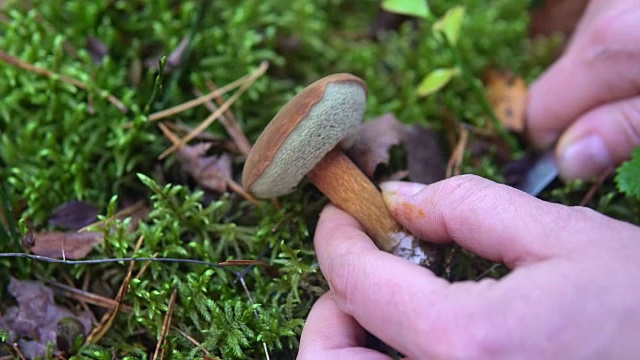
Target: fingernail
x,y
394,191
584,158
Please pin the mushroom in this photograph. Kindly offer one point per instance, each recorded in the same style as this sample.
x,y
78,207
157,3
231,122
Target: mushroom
x,y
306,137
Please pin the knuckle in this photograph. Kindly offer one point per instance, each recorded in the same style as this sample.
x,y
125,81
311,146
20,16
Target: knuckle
x,y
630,114
467,192
343,274
610,37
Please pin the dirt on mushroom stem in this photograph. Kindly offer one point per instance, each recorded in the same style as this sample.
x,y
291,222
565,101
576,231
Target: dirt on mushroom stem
x,y
338,178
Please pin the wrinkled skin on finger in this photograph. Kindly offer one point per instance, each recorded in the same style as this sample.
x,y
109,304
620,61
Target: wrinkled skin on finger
x,y
572,292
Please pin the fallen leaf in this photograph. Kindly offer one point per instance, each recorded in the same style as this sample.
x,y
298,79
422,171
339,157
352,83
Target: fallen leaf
x,y
211,172
33,322
426,160
53,244
372,143
174,59
507,94
73,215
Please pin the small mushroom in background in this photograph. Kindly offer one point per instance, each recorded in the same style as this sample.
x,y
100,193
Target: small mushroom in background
x,y
306,137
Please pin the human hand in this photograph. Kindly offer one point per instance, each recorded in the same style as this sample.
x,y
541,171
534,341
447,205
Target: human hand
x,y
589,100
573,291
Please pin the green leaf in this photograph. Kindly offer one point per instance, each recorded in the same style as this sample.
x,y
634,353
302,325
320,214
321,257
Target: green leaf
x,y
628,175
436,80
417,8
451,23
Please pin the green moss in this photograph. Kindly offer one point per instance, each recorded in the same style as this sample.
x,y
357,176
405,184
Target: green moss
x,y
59,143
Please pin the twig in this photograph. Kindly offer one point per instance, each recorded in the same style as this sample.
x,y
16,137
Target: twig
x,y
231,124
144,268
488,271
602,177
201,100
14,61
16,348
81,295
211,118
129,210
109,317
242,147
457,156
166,326
191,339
255,312
221,265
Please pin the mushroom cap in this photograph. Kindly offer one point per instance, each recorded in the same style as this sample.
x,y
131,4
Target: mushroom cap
x,y
312,123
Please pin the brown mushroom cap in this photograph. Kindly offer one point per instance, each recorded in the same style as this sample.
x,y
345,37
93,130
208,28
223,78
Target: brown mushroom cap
x,y
311,124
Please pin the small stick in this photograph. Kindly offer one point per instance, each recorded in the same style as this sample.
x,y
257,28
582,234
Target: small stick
x,y
166,326
16,348
191,339
129,210
231,125
598,184
237,136
457,156
144,268
81,295
109,317
203,99
221,265
209,120
255,313
14,61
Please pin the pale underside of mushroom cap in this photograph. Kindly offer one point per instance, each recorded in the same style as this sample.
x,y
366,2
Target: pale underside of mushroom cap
x,y
334,118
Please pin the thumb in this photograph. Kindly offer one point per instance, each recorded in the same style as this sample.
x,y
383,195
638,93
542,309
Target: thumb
x,y
495,221
599,67
599,139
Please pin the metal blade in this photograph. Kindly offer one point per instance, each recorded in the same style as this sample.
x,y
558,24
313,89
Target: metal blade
x,y
543,172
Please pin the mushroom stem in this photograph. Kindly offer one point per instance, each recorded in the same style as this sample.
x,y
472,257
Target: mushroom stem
x,y
348,188
339,179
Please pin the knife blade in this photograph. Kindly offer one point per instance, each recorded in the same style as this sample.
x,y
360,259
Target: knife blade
x,y
540,175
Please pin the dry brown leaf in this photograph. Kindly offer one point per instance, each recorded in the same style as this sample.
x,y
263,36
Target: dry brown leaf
x,y
174,59
211,172
33,322
54,244
373,141
426,160
73,215
507,93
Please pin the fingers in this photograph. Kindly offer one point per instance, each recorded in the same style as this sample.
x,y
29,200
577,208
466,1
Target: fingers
x,y
495,221
426,317
390,297
599,66
329,333
600,139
